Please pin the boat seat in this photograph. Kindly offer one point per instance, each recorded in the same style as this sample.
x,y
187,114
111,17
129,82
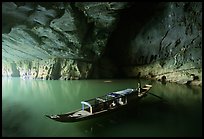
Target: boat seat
x,y
81,113
145,88
148,85
100,99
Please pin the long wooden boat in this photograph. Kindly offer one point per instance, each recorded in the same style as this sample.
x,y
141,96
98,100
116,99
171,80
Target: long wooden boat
x,y
102,105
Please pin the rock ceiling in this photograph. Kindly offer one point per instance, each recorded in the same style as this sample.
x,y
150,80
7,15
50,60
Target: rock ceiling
x,y
45,30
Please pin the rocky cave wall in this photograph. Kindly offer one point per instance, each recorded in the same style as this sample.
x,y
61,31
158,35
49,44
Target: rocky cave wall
x,y
103,40
56,40
166,45
51,69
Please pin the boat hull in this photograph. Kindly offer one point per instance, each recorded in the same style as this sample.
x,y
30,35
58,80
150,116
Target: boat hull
x,y
132,98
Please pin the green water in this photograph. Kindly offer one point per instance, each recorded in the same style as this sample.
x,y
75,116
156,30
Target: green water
x,y
25,102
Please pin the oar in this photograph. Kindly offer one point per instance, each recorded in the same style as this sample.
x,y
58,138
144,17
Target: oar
x,y
155,95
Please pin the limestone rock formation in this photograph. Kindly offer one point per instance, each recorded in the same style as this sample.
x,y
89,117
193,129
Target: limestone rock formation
x,y
80,40
74,33
167,43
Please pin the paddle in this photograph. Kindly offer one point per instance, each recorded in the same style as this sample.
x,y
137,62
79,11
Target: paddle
x,y
156,96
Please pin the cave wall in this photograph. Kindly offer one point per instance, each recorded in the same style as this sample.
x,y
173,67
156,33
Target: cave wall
x,y
50,69
64,37
168,42
80,40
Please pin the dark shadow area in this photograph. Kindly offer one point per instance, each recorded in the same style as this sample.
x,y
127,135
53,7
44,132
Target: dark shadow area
x,y
131,22
15,71
55,75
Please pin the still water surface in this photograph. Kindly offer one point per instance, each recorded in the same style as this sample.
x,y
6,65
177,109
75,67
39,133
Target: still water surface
x,y
25,102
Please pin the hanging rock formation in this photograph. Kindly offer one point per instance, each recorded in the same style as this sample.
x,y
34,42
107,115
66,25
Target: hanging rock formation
x,y
64,37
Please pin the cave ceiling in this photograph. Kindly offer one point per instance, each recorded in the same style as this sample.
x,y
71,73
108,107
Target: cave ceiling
x,y
43,30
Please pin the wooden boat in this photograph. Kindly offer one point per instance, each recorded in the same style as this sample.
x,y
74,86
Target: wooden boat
x,y
101,105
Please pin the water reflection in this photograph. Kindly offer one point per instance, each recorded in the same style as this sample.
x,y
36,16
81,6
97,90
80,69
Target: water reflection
x,y
24,103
